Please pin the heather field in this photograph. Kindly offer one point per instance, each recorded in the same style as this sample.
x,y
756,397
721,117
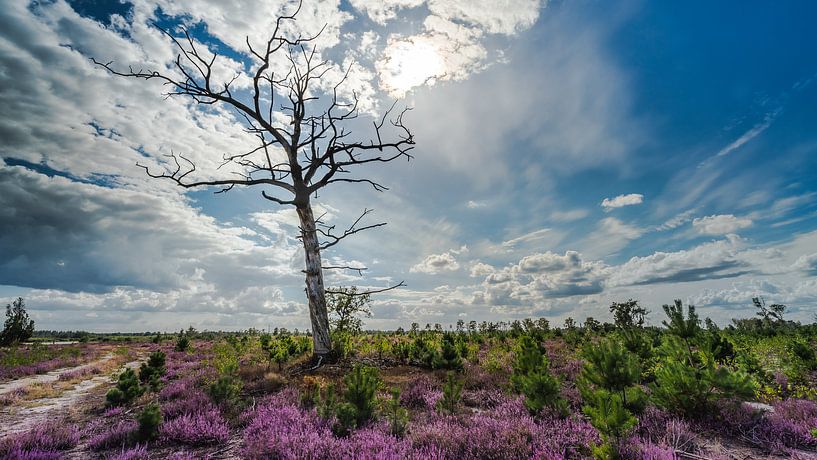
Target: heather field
x,y
477,391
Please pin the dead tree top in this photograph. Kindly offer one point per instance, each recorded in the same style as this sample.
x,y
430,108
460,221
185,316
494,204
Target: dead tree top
x,y
316,143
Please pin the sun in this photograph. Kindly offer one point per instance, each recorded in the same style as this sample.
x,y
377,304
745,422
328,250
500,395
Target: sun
x,y
409,63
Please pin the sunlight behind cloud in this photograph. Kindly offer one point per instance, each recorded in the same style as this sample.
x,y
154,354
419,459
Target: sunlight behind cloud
x,y
410,63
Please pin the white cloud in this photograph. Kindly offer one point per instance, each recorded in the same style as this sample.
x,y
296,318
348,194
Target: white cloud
x,y
382,11
755,131
716,259
436,263
526,238
479,269
506,17
622,200
720,224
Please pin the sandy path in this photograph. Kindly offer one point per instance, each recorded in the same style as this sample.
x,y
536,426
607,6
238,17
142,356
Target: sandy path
x,y
50,376
15,418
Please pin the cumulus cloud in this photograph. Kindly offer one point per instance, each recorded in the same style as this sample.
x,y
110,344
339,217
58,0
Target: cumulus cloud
x,y
622,200
58,233
481,270
437,263
716,259
807,264
720,224
541,276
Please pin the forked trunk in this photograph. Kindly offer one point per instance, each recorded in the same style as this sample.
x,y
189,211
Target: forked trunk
x,y
321,341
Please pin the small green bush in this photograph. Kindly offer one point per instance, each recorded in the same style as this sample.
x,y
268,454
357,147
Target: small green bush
x,y
450,357
531,377
608,415
362,384
127,389
452,391
182,343
151,371
395,414
149,420
224,390
689,381
346,418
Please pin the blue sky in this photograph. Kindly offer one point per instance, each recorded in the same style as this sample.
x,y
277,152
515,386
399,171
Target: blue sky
x,y
569,154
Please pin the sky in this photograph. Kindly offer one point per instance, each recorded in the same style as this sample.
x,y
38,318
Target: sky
x,y
569,154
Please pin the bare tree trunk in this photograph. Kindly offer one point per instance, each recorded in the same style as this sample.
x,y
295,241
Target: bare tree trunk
x,y
321,341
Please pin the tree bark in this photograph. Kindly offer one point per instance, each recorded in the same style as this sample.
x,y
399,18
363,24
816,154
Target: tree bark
x,y
321,340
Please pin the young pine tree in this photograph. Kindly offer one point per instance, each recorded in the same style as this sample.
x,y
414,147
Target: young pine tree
x,y
689,380
449,357
452,391
530,376
609,387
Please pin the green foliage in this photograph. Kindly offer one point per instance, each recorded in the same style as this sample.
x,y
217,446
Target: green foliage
x,y
805,353
422,352
127,389
328,404
362,384
688,381
182,342
610,367
18,326
609,415
629,314
609,386
149,420
685,327
691,390
402,351
450,357
345,307
224,390
452,391
151,371
395,414
346,418
531,377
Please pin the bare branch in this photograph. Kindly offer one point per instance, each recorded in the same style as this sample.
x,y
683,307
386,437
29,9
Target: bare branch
x,y
335,239
373,291
359,270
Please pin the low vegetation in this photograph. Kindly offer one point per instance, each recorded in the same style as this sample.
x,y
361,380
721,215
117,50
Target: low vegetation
x,y
481,390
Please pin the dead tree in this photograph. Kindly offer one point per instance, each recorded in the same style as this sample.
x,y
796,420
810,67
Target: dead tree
x,y
311,131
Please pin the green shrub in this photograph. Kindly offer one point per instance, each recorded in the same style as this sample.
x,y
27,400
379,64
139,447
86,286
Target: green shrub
x,y
395,414
224,390
423,353
609,366
806,354
362,384
127,389
452,390
151,371
450,357
328,404
149,420
692,390
346,418
688,380
182,343
530,376
608,415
